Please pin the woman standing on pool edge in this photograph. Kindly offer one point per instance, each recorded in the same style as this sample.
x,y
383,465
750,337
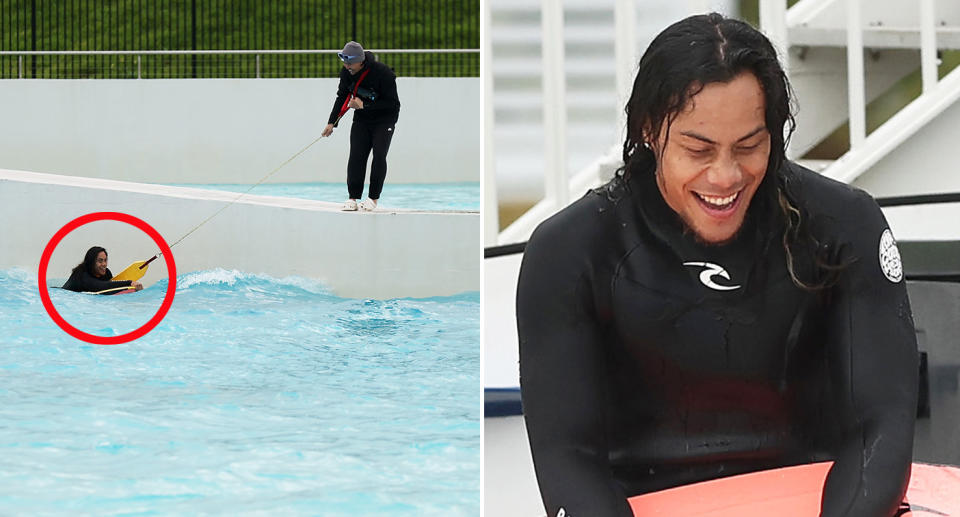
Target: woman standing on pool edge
x,y
715,309
92,275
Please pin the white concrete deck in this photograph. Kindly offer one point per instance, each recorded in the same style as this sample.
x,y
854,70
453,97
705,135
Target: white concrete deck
x,y
383,254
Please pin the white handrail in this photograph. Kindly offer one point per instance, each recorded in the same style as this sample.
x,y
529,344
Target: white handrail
x,y
600,171
904,124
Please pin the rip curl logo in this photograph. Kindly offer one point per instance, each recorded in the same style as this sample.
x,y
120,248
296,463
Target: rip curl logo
x,y
890,257
711,270
562,513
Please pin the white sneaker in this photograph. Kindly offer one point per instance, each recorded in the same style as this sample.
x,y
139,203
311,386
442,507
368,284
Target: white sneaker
x,y
369,205
349,205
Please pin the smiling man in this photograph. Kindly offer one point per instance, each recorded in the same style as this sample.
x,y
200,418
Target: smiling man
x,y
715,309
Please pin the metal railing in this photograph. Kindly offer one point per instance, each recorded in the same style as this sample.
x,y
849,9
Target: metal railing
x,y
204,25
257,64
774,23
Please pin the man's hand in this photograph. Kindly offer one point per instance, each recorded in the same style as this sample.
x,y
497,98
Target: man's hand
x,y
356,103
137,286
327,131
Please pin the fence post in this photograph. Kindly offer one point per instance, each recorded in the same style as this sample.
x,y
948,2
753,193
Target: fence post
x,y
258,66
20,66
193,37
33,37
138,66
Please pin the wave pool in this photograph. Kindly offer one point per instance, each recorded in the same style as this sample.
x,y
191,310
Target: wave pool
x,y
255,395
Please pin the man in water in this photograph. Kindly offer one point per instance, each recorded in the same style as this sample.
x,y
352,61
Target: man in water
x,y
715,309
370,88
92,275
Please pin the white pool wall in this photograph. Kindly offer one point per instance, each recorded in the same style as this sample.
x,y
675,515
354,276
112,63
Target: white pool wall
x,y
229,130
384,254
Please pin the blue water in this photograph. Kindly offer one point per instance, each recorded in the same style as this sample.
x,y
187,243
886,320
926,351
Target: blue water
x,y
432,196
255,395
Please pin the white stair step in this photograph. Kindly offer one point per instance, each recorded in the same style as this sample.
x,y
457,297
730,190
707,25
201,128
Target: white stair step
x,y
533,34
520,136
578,67
890,13
527,99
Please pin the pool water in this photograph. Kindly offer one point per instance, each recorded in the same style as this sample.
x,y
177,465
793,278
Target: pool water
x,y
254,395
428,196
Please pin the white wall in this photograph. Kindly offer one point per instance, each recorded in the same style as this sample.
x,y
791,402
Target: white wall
x,y
936,222
509,481
500,342
384,254
229,130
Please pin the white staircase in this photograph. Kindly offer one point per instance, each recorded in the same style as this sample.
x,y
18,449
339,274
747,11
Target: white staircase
x,y
518,97
590,68
898,38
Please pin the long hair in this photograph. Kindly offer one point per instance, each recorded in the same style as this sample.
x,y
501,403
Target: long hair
x,y
89,261
680,61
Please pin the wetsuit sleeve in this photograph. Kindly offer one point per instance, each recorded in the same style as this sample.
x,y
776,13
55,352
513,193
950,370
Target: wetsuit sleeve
x,y
86,282
561,378
343,90
874,356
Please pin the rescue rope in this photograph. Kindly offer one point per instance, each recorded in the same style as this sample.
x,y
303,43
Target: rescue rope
x,y
274,171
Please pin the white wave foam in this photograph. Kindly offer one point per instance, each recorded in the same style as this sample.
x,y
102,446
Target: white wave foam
x,y
210,277
232,277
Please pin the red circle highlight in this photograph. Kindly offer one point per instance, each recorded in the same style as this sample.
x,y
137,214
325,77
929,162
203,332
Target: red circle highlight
x,y
107,216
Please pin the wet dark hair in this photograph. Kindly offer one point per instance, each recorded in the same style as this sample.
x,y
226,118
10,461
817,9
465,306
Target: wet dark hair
x,y
89,261
683,59
680,61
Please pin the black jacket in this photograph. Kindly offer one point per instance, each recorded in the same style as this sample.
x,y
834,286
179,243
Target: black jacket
x,y
378,91
82,281
648,360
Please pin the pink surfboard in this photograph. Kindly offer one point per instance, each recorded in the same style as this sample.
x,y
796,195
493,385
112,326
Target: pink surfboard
x,y
934,490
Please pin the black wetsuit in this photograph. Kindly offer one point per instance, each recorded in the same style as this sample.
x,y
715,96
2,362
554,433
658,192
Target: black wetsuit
x,y
373,126
82,281
639,372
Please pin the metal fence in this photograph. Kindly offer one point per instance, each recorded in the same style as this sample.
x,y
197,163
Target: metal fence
x,y
41,38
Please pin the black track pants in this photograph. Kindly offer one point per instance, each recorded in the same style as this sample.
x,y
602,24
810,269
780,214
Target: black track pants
x,y
364,137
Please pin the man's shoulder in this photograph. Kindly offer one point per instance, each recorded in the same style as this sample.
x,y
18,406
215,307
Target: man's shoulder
x,y
826,196
578,226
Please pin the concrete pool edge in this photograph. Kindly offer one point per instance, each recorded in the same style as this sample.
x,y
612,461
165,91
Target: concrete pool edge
x,y
382,254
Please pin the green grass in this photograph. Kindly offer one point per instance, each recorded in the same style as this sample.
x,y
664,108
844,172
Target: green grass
x,y
235,25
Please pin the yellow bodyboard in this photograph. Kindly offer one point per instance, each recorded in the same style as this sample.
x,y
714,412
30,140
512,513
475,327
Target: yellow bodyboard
x,y
132,272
